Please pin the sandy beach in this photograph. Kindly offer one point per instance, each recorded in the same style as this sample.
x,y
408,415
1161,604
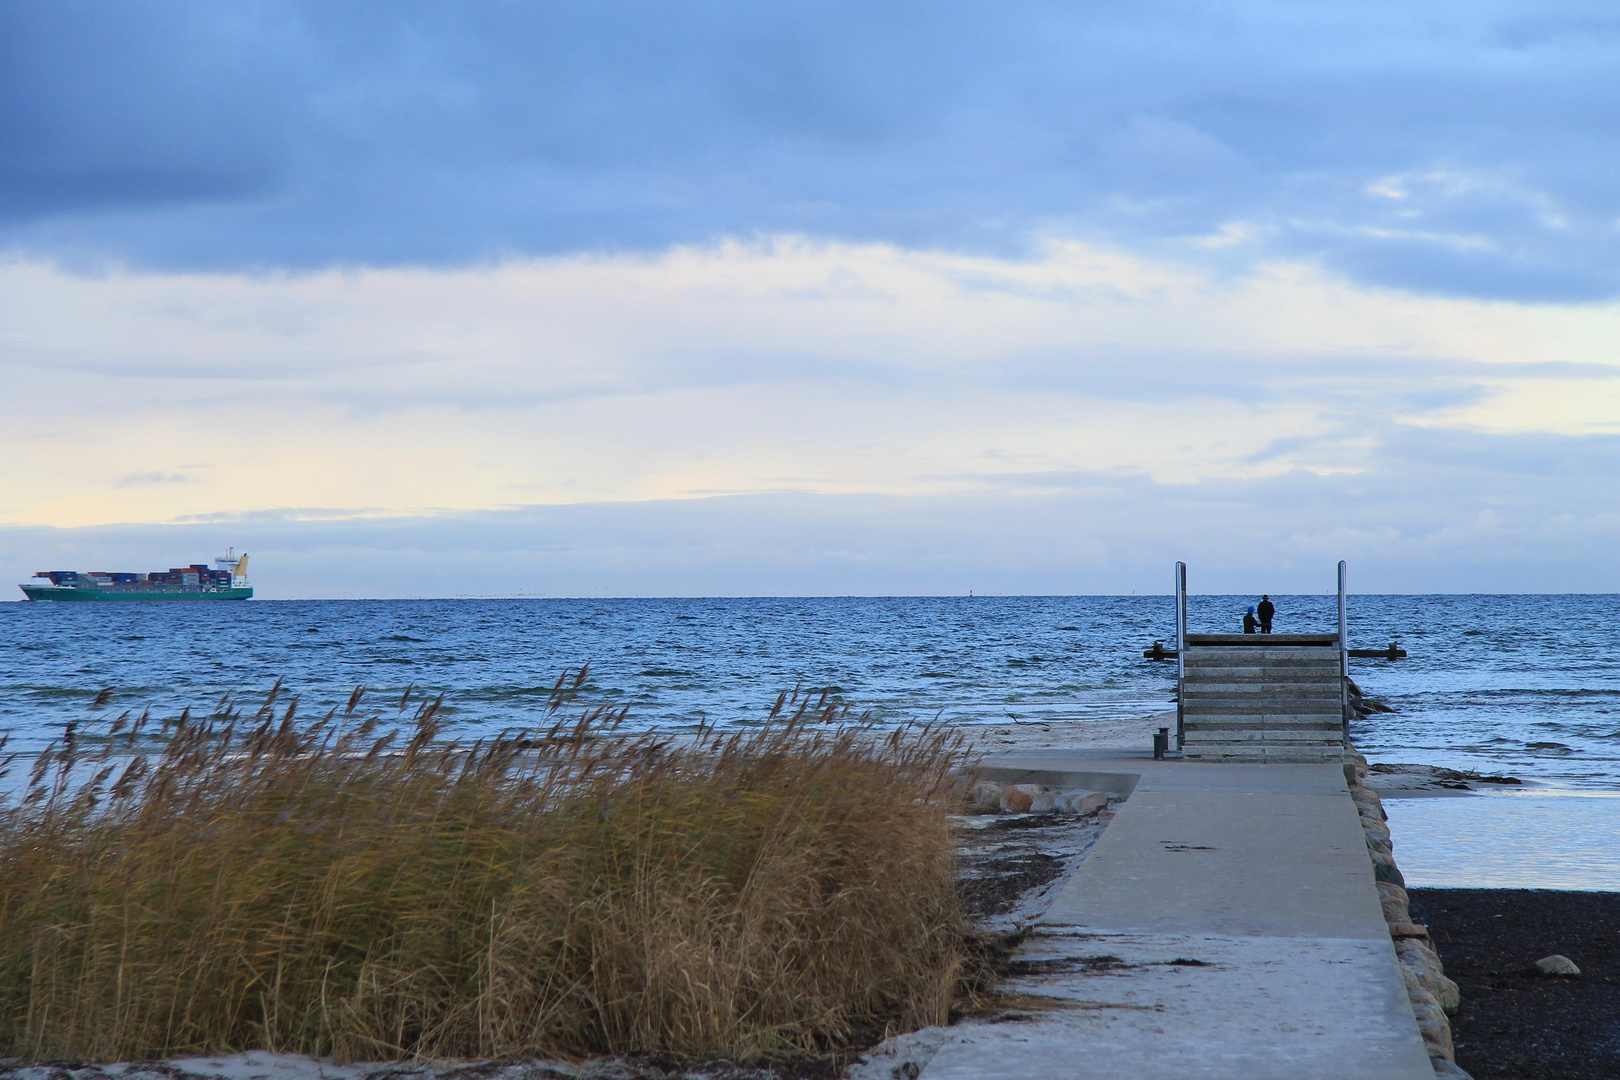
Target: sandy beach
x,y
1102,733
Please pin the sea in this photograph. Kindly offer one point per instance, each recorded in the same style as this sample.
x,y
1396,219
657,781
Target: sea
x,y
1524,685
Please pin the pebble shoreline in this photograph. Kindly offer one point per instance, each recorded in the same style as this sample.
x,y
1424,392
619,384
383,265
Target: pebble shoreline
x,y
1516,1021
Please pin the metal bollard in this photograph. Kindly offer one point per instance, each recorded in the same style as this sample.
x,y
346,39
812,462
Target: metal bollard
x,y
1161,744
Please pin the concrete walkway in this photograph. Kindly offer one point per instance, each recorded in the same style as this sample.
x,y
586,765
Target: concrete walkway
x,y
1259,875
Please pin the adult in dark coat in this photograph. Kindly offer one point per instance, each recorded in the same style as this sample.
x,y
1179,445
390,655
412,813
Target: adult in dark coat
x,y
1249,623
1266,611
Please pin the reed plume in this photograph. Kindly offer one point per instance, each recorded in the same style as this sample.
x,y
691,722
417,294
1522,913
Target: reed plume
x,y
346,887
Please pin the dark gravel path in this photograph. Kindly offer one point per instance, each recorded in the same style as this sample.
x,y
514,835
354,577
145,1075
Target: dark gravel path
x,y
1516,1025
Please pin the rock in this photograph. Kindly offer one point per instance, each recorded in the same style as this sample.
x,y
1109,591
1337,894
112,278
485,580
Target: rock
x,y
1448,994
1413,953
1376,828
1391,891
1408,929
1386,870
1045,803
1425,1006
1016,802
1424,980
1368,804
1083,802
1393,900
1557,965
1437,1035
1380,847
986,795
1017,798
1372,813
1448,1070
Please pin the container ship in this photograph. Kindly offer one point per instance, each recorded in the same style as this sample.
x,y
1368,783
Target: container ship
x,y
226,580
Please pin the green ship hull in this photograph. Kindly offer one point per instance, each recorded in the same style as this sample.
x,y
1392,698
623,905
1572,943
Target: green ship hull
x,y
105,593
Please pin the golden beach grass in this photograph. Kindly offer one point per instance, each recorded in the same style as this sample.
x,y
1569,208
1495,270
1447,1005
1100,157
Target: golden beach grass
x,y
323,888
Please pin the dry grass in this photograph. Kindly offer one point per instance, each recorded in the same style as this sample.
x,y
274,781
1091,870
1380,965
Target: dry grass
x,y
324,888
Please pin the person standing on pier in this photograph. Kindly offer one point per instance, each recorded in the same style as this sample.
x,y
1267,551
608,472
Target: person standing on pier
x,y
1249,622
1266,611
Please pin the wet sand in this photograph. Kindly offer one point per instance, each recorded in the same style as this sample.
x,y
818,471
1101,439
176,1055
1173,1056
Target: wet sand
x,y
1101,733
1514,1025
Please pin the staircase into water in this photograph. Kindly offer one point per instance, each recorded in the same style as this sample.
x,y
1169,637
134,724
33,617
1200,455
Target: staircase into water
x,y
1262,698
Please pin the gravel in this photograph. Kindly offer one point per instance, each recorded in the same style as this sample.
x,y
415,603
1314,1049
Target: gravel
x,y
1515,1023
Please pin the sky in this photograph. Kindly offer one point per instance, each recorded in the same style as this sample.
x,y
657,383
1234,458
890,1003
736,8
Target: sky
x,y
715,298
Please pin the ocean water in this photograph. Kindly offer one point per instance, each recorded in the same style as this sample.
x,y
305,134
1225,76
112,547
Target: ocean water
x,y
1522,684
1527,685
675,662
1537,838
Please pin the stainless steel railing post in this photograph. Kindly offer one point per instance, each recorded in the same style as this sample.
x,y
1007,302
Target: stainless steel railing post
x,y
1181,653
1344,654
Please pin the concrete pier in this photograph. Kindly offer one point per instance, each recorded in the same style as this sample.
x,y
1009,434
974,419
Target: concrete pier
x,y
1225,927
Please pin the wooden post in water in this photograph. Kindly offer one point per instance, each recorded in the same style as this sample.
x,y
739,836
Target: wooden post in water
x,y
1181,649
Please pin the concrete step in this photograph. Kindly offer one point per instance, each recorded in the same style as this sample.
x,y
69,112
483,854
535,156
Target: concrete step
x,y
1263,684
1257,712
1224,738
1225,699
1262,656
1275,724
1324,672
1244,700
1259,656
1237,754
1249,641
1264,674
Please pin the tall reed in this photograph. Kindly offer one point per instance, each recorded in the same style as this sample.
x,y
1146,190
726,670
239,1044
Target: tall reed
x,y
333,888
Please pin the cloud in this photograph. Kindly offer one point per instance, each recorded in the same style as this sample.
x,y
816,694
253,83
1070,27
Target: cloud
x,y
146,479
1460,151
729,369
1530,513
874,298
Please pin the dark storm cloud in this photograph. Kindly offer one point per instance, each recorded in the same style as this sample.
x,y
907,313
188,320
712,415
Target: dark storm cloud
x,y
133,107
1460,148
